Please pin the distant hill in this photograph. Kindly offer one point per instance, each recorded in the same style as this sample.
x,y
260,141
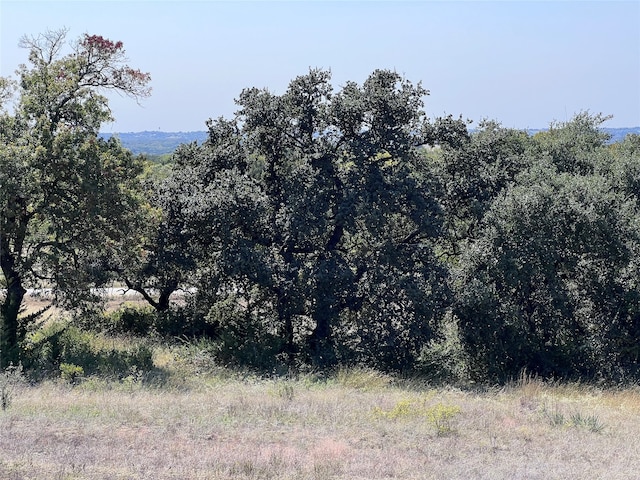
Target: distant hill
x,y
156,143
159,143
617,134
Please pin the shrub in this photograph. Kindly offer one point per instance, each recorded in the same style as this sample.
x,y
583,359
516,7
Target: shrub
x,y
444,359
441,417
58,347
71,373
144,320
243,339
129,318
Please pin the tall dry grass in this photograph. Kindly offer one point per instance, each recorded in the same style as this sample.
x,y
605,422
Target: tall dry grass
x,y
357,424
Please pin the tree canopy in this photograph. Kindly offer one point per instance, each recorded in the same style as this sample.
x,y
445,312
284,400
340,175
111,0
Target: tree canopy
x,y
322,227
304,199
65,194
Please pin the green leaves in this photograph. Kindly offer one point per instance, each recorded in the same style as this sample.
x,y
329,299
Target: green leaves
x,y
546,276
312,195
66,196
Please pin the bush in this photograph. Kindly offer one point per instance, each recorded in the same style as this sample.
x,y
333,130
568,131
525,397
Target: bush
x,y
144,320
243,339
444,359
133,319
440,416
71,373
60,349
183,322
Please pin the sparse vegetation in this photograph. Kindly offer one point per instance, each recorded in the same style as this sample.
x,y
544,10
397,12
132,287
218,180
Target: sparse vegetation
x,y
219,423
11,379
557,417
441,416
181,414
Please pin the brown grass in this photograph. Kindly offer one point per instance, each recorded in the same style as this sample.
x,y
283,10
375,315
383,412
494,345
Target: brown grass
x,y
205,422
223,426
33,303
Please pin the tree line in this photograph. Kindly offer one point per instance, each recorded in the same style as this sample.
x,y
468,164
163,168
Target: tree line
x,y
324,227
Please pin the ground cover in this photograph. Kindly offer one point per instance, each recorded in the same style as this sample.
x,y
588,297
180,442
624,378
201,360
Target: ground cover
x,y
187,418
192,420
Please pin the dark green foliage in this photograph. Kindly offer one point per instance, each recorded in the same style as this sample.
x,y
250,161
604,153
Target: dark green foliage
x,y
143,321
158,256
312,205
130,319
549,285
472,170
66,196
319,228
244,337
46,349
572,146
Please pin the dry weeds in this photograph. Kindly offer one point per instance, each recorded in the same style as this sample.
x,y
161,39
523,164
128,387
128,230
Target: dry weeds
x,y
203,422
226,427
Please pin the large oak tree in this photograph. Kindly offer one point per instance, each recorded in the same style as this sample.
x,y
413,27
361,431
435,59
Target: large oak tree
x,y
313,205
64,192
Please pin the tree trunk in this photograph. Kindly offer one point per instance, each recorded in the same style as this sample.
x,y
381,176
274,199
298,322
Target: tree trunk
x,y
164,296
9,312
15,220
163,300
285,321
324,313
320,342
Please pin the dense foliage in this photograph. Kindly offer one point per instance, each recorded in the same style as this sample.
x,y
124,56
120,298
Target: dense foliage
x,y
322,228
311,208
65,194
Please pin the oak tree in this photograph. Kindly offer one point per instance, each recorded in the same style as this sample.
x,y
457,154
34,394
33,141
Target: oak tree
x,y
314,202
64,192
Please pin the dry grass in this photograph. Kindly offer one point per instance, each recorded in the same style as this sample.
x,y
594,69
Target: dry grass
x,y
197,421
35,302
222,426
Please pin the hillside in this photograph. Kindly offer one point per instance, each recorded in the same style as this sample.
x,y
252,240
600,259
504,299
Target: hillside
x,y
156,143
159,143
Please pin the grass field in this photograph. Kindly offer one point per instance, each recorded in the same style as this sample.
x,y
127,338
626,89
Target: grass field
x,y
191,420
187,418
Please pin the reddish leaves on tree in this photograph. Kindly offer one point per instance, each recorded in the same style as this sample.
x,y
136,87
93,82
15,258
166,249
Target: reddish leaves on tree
x,y
137,75
105,67
100,43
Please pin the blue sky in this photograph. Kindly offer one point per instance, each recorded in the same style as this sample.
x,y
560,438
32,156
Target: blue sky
x,y
524,64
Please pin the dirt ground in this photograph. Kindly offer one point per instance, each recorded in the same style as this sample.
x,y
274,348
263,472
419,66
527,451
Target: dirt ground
x,y
113,298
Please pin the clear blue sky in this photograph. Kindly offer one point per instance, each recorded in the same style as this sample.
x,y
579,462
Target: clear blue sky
x,y
524,64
